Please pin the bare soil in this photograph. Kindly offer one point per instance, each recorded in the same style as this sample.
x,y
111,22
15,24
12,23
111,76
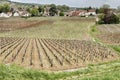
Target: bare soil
x,y
109,34
53,54
9,25
79,19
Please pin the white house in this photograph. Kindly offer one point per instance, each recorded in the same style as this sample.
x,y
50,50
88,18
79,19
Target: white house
x,y
9,14
4,15
26,15
92,12
84,13
16,14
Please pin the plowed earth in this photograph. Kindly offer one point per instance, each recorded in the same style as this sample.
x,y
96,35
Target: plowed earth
x,y
53,54
109,34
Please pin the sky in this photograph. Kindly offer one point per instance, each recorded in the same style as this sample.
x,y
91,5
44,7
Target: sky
x,y
75,3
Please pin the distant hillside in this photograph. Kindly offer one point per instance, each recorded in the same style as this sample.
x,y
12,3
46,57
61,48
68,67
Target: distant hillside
x,y
4,1
17,4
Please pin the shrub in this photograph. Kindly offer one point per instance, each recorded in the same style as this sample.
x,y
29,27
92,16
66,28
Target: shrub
x,y
61,14
101,17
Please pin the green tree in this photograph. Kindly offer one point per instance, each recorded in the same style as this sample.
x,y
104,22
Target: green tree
x,y
6,8
41,9
28,9
109,17
34,12
52,10
1,9
52,5
103,8
63,8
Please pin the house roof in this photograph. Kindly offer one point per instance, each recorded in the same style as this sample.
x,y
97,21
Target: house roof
x,y
76,13
92,10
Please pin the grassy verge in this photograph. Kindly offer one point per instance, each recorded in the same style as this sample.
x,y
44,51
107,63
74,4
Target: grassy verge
x,y
12,72
116,48
93,33
110,75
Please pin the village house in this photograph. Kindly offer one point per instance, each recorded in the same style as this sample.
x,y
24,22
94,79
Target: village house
x,y
23,13
16,14
9,14
66,14
92,12
84,13
4,15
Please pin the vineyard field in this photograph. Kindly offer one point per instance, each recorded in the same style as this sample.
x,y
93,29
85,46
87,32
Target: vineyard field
x,y
53,54
109,34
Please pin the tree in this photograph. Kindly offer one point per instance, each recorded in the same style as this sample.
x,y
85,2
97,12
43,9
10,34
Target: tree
x,y
28,9
52,5
5,8
63,8
90,8
102,8
41,9
11,9
34,12
1,9
109,17
97,10
53,10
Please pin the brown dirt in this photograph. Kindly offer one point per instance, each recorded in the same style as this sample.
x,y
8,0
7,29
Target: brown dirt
x,y
79,19
53,54
111,39
7,25
109,34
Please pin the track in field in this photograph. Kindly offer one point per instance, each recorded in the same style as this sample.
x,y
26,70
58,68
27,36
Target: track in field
x,y
53,54
110,34
10,25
